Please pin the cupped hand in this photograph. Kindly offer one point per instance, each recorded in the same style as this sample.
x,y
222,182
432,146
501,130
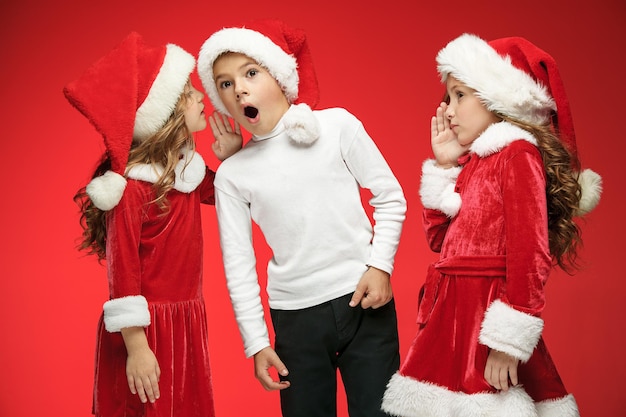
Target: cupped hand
x,y
446,147
228,139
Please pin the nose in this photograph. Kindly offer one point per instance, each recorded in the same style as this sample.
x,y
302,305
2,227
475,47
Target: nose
x,y
449,113
240,90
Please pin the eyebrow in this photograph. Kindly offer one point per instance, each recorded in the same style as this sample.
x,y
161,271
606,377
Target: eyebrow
x,y
249,62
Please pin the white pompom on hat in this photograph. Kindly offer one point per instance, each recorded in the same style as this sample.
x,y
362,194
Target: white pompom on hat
x,y
129,93
277,47
515,78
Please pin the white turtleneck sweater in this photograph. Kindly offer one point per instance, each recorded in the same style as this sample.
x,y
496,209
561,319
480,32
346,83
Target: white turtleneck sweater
x,y
307,202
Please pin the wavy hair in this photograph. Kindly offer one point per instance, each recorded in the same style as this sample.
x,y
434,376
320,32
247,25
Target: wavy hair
x,y
162,149
563,193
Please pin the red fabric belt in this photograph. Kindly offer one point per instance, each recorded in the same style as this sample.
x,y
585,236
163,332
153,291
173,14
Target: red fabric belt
x,y
466,266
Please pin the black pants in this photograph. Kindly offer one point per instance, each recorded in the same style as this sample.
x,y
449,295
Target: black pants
x,y
315,341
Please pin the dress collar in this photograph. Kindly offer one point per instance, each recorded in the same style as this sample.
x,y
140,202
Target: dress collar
x,y
190,172
497,137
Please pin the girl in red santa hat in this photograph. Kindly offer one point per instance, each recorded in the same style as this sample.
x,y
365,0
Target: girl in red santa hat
x,y
141,212
500,200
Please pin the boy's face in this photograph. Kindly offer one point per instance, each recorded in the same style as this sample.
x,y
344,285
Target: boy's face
x,y
249,92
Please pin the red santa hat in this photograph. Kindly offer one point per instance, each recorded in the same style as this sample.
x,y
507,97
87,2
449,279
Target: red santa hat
x,y
515,78
130,93
282,50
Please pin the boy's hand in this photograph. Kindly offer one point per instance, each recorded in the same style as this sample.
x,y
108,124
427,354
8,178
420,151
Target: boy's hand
x,y
499,369
263,361
373,290
444,142
227,140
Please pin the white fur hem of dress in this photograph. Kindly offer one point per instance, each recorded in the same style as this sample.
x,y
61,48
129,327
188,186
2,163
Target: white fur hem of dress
x,y
407,397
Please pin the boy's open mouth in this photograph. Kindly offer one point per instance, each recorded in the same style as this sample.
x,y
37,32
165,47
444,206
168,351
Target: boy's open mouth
x,y
250,112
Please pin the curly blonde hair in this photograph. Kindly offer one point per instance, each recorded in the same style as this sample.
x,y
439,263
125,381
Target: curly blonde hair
x,y
162,149
563,193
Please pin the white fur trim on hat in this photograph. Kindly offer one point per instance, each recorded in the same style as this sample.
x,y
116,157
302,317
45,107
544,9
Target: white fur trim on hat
x,y
131,311
301,124
510,331
106,190
167,87
437,188
591,189
561,407
406,396
281,65
498,83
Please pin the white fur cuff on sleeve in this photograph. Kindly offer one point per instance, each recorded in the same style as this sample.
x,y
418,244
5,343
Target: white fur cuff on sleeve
x,y
124,312
437,188
510,331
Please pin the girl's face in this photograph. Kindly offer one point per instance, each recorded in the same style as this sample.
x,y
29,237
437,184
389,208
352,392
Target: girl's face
x,y
195,119
249,92
467,115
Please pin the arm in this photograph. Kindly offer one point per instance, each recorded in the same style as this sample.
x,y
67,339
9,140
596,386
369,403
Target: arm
x,y
127,310
369,168
235,227
512,323
127,307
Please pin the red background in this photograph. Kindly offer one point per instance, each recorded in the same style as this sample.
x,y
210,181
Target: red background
x,y
375,59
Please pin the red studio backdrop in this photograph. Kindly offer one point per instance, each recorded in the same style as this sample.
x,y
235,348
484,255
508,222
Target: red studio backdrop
x,y
375,59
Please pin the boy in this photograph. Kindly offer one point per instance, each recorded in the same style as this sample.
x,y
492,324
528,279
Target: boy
x,y
298,178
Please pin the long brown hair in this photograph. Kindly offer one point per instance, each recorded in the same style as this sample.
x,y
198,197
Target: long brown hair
x,y
563,194
162,149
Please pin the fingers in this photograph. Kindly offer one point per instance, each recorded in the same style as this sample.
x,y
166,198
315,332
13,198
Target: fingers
x,y
146,387
513,376
502,380
264,360
220,124
501,370
357,297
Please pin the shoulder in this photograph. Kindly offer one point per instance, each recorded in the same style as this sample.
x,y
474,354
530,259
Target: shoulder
x,y
335,113
338,119
137,195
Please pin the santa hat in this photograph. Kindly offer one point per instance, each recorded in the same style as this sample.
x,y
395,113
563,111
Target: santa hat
x,y
515,78
282,50
129,93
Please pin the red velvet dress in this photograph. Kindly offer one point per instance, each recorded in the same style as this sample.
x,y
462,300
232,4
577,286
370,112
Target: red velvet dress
x,y
160,258
486,291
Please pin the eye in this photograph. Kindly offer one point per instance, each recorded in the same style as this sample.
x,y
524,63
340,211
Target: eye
x,y
252,72
225,84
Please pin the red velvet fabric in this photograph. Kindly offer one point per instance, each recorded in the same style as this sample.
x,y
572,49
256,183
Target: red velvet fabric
x,y
160,257
495,248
